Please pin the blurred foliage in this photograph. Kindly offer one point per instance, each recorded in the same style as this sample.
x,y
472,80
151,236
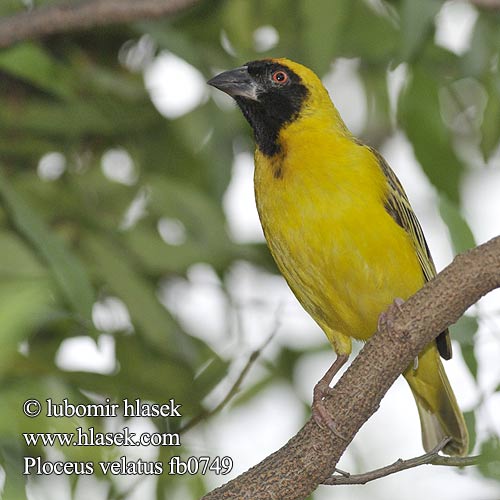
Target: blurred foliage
x,y
72,235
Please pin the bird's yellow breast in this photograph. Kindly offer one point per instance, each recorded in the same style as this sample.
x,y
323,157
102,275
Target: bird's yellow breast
x,y
321,205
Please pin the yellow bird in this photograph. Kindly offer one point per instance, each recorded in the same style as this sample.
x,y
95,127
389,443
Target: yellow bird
x,y
340,228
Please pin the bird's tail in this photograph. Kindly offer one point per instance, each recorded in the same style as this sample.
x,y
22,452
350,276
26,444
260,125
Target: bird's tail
x,y
439,413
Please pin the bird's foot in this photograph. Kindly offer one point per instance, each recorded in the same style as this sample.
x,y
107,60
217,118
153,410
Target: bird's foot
x,y
323,389
320,413
386,318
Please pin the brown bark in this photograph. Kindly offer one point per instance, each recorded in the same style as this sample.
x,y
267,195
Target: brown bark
x,y
65,17
486,4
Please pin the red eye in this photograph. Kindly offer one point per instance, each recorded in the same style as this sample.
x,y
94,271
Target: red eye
x,y
280,77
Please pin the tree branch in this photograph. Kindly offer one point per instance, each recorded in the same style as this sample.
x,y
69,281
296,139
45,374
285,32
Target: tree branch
x,y
431,458
486,4
310,457
64,17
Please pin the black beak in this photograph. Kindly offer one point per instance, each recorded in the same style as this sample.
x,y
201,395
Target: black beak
x,y
236,82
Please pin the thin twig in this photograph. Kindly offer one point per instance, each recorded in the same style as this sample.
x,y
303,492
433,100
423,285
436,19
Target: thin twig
x,y
431,458
234,388
73,16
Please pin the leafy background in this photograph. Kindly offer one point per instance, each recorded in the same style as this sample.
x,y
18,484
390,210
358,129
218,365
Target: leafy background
x,y
125,273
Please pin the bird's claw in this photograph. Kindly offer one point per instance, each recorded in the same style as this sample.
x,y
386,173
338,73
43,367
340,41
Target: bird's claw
x,y
319,412
386,318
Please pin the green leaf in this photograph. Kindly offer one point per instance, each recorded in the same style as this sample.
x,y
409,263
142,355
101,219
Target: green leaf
x,y
66,268
464,332
489,462
475,62
460,232
465,329
239,23
143,372
33,64
157,256
117,272
26,150
39,116
200,214
17,259
22,305
12,462
470,422
208,166
363,26
142,366
490,128
419,114
11,7
378,121
99,115
417,25
322,21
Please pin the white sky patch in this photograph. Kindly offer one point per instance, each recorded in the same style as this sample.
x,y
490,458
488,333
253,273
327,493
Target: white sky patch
x,y
86,487
265,300
117,165
137,54
223,101
239,202
84,354
111,315
172,231
175,87
347,93
481,202
396,79
51,486
454,25
51,166
259,427
136,210
480,191
198,303
265,38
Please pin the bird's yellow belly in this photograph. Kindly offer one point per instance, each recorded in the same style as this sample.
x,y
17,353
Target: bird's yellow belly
x,y
341,253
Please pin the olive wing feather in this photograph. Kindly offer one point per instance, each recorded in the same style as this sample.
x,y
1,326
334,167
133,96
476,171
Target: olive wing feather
x,y
399,208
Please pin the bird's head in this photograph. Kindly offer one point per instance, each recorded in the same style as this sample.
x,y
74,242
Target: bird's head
x,y
272,93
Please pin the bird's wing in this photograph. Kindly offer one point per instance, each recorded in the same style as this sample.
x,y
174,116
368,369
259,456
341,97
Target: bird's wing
x,y
399,208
